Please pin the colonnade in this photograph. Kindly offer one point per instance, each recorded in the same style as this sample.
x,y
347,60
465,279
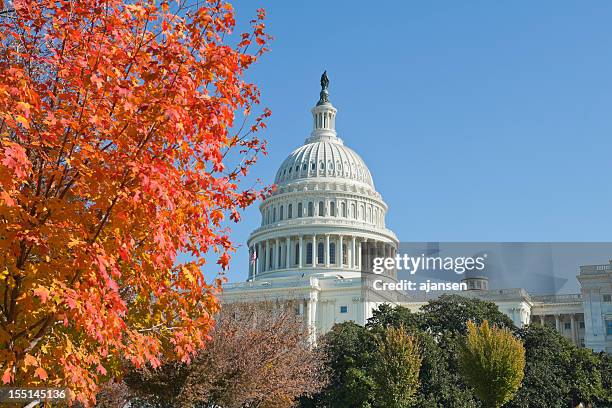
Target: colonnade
x,y
576,322
315,251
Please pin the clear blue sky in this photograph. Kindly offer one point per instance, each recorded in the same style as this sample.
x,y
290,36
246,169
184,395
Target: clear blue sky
x,y
480,121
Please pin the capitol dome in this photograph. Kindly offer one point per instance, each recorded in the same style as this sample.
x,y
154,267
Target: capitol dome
x,y
324,210
325,159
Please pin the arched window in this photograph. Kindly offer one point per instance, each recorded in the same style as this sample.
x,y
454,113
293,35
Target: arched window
x,y
332,253
344,255
297,253
332,209
290,211
320,253
369,216
310,209
281,214
363,214
343,209
321,208
309,253
299,213
353,211
274,214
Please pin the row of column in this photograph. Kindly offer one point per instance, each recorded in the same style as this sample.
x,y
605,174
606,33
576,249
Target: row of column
x,y
559,321
280,253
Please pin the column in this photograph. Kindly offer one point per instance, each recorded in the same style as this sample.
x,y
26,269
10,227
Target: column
x,y
352,258
573,328
266,254
260,257
288,253
340,253
276,253
558,323
314,251
327,250
359,255
250,262
300,251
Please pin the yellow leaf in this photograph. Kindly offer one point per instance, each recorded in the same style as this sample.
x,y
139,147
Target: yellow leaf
x,y
23,121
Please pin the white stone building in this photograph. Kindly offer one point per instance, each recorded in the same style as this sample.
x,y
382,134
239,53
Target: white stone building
x,y
307,249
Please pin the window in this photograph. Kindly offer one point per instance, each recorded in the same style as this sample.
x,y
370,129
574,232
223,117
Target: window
x,y
282,210
332,253
320,253
607,298
280,258
289,211
268,216
309,253
274,214
312,166
321,208
332,209
297,253
343,309
343,209
582,325
310,209
271,258
609,327
299,213
353,211
568,326
344,255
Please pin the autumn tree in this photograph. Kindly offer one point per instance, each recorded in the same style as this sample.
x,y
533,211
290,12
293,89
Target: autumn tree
x,y
119,124
492,362
259,355
395,369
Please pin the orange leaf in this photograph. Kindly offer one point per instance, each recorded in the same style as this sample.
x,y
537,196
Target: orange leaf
x,y
41,373
30,360
42,293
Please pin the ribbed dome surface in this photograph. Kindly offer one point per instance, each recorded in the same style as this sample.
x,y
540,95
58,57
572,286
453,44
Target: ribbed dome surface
x,y
322,159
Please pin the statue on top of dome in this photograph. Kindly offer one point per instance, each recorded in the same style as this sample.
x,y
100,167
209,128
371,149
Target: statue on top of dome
x,y
324,80
324,95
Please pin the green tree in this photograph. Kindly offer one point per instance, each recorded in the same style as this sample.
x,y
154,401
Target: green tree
x,y
558,374
395,369
440,386
452,312
348,347
492,362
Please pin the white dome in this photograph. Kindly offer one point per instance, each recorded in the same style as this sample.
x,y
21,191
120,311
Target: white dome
x,y
323,159
323,212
